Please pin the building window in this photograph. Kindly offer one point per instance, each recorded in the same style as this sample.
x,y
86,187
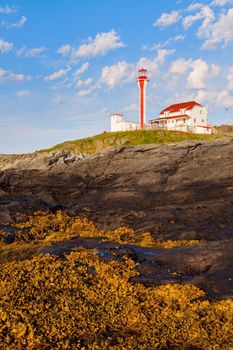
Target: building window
x,y
200,111
202,120
184,120
195,120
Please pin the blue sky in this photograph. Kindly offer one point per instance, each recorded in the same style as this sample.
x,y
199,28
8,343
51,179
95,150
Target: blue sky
x,y
65,65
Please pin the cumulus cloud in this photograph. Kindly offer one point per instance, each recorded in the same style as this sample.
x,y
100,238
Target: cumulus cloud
x,y
230,79
84,67
215,70
124,72
131,108
2,73
84,83
5,46
84,93
194,6
8,9
198,71
8,76
219,32
17,77
120,73
64,50
167,19
180,66
30,52
222,2
21,22
57,75
153,64
100,45
22,93
197,78
169,42
224,98
205,13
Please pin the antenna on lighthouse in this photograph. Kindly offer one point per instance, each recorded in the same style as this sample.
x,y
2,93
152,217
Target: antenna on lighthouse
x,y
142,81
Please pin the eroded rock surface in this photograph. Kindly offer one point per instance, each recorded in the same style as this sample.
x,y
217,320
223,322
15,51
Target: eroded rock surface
x,y
176,191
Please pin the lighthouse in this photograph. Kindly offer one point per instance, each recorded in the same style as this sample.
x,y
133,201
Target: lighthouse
x,y
142,81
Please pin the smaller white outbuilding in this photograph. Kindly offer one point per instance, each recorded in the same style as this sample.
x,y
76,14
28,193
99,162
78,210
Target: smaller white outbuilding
x,y
119,124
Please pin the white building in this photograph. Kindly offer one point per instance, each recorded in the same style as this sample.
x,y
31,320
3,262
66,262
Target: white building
x,y
185,116
119,124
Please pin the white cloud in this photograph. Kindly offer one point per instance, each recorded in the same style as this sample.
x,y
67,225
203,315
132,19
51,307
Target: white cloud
x,y
189,20
215,70
224,99
30,52
8,9
197,78
17,77
82,83
57,75
166,43
206,25
205,13
82,69
194,6
218,32
22,93
100,45
84,93
202,96
2,73
122,72
199,71
58,100
180,66
167,19
221,99
131,108
222,2
5,46
230,79
21,22
7,76
64,50
153,64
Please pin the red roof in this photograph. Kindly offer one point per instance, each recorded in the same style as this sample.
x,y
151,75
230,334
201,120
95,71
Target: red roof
x,y
178,106
175,117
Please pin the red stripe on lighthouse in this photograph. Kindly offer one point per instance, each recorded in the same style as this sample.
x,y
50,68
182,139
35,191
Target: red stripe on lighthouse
x,y
142,103
142,83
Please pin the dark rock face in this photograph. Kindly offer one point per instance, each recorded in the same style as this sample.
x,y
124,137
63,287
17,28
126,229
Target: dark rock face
x,y
176,191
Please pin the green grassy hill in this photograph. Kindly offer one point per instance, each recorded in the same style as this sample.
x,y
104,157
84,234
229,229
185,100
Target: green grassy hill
x,y
99,142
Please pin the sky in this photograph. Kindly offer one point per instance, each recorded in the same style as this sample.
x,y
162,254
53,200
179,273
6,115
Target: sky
x,y
66,65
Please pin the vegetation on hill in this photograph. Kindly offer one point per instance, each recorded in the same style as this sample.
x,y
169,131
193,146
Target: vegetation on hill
x,y
225,129
82,301
97,143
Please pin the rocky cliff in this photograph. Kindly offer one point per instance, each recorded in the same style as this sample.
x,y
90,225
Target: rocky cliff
x,y
176,191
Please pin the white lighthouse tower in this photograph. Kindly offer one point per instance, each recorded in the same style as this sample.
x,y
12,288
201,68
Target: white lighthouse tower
x,y
142,84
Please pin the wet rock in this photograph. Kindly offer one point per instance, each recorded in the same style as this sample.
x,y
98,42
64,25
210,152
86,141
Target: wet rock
x,y
5,218
176,191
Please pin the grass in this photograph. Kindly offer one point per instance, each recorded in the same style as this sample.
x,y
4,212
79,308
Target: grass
x,y
99,142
